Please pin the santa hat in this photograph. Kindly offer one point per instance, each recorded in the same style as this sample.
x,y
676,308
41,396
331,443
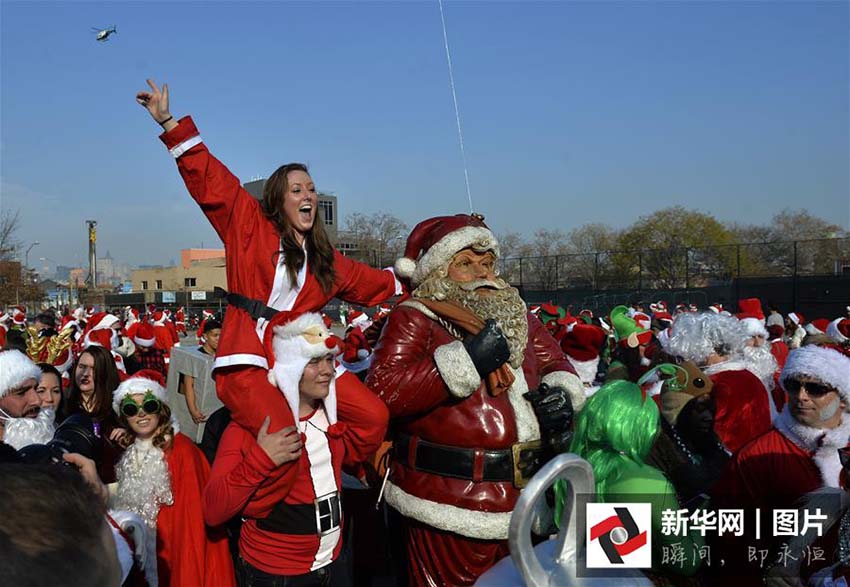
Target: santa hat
x,y
89,311
327,320
534,309
628,331
142,382
63,361
568,320
159,318
752,317
775,332
207,313
817,326
100,337
15,368
434,242
583,342
839,330
19,316
292,342
100,321
716,308
145,336
663,317
796,318
826,365
358,318
642,320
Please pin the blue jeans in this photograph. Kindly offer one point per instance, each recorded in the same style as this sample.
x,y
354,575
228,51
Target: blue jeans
x,y
332,575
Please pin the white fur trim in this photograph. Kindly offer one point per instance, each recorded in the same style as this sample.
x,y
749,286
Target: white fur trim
x,y
456,369
586,370
476,237
823,443
404,267
469,523
185,146
795,318
15,368
571,383
240,359
411,303
824,364
729,365
527,428
833,332
137,385
754,327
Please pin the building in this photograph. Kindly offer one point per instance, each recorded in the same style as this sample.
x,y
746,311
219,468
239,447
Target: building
x,y
189,256
328,207
201,275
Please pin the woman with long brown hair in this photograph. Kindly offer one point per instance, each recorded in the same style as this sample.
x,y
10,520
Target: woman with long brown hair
x,y
93,379
278,258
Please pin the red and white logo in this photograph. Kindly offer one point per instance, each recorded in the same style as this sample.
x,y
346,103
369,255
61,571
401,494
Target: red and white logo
x,y
618,536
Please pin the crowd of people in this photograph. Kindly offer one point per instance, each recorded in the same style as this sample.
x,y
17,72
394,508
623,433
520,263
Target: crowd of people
x,y
440,404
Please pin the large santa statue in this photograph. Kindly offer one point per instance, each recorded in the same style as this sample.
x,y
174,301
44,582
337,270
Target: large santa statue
x,y
480,395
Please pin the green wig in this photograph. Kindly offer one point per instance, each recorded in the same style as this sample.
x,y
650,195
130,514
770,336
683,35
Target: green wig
x,y
615,428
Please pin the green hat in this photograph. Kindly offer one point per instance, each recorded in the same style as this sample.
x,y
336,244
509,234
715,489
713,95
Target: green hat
x,y
628,331
549,312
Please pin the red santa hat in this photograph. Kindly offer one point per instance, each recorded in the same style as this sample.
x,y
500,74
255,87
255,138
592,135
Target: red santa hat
x,y
358,318
145,335
663,316
142,382
796,318
583,342
19,315
534,309
63,361
101,320
775,332
642,319
434,242
839,330
99,337
207,313
824,364
817,326
716,308
291,342
752,317
15,369
327,320
159,318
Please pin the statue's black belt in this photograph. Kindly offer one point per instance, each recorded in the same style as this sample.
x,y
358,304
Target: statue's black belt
x,y
321,517
474,464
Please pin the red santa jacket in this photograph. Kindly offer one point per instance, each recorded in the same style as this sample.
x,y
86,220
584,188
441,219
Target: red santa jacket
x,y
743,404
434,394
251,243
189,553
241,467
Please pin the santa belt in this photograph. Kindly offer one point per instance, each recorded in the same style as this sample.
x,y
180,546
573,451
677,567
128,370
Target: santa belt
x,y
255,308
321,517
473,464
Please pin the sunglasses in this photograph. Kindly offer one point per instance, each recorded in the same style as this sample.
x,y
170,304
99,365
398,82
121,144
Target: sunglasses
x,y
812,388
150,405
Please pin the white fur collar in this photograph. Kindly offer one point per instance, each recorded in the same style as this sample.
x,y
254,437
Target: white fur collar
x,y
586,370
823,444
735,364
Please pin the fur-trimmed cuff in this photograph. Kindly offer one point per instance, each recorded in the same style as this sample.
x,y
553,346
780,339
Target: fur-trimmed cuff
x,y
456,368
571,383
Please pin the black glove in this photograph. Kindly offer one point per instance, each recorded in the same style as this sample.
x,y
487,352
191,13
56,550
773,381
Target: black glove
x,y
488,349
554,411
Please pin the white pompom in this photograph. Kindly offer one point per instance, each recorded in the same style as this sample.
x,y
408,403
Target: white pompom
x,y
404,267
272,379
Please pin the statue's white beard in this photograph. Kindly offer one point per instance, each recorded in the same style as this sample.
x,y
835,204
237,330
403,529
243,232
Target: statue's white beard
x,y
21,432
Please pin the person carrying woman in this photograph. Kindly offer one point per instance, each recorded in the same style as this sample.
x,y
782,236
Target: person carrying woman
x,y
161,477
278,257
336,427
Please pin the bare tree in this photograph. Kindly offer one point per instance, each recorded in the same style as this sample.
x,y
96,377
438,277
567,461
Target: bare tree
x,y
10,222
379,237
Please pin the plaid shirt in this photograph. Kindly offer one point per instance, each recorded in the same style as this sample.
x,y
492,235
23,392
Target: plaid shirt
x,y
153,358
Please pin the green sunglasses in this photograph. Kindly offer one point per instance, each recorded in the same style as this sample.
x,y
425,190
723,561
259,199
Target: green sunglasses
x,y
150,405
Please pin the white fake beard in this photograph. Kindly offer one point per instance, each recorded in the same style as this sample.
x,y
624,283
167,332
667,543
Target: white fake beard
x,y
761,362
144,483
21,432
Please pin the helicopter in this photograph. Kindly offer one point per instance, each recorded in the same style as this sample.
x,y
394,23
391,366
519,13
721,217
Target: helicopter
x,y
103,34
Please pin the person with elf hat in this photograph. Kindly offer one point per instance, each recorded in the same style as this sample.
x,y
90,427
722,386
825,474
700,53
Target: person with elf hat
x,y
798,455
295,530
278,257
161,478
550,314
715,343
630,360
469,377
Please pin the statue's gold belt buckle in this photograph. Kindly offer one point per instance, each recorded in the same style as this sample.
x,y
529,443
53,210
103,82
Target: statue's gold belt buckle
x,y
524,452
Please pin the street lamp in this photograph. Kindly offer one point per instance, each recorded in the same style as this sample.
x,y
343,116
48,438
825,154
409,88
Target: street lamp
x,y
27,254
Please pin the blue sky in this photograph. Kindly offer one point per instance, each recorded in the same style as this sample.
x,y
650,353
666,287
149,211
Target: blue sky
x,y
573,112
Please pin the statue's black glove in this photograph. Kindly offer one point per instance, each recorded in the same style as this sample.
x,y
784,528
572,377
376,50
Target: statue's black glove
x,y
554,411
488,349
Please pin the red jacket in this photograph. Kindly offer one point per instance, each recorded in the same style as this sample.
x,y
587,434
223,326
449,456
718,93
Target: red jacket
x,y
423,374
241,467
743,408
251,244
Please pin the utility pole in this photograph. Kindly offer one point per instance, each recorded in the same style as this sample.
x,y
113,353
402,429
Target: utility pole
x,y
92,253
